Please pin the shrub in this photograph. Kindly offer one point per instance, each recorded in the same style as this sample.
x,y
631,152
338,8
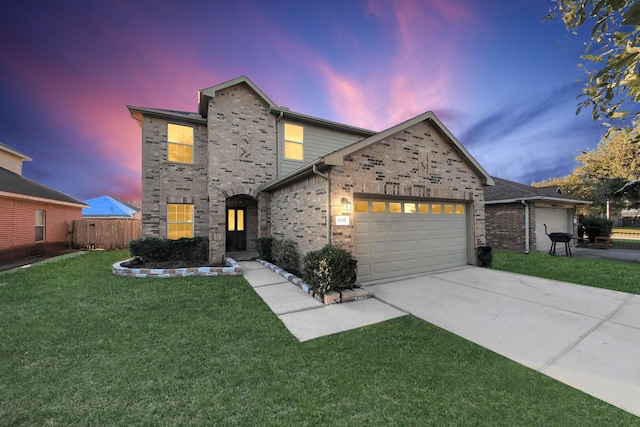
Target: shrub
x,y
159,250
149,249
284,254
595,227
264,246
329,269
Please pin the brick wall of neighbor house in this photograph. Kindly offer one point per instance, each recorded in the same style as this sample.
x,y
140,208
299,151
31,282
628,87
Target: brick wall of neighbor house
x,y
17,234
299,214
167,182
237,114
391,167
505,226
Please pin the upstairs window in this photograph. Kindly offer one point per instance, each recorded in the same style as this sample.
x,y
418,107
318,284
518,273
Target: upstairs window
x,y
179,221
180,140
293,142
40,223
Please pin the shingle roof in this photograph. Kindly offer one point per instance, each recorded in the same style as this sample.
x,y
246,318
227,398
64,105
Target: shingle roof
x,y
186,115
13,183
508,191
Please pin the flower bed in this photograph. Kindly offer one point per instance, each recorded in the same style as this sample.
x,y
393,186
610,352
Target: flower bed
x,y
331,297
232,269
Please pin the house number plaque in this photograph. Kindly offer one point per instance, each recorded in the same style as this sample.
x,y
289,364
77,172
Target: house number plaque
x,y
342,220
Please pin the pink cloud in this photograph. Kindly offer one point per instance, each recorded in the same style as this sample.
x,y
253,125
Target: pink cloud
x,y
89,108
420,75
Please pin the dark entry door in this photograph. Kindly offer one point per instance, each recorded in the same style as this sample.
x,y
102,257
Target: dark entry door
x,y
236,230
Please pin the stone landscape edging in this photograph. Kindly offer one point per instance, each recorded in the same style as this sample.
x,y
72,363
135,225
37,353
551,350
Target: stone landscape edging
x,y
331,297
233,269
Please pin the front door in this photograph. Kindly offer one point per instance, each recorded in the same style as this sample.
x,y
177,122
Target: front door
x,y
236,230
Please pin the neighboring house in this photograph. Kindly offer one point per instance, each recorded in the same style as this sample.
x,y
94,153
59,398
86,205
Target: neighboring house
x,y
107,207
33,218
406,200
509,204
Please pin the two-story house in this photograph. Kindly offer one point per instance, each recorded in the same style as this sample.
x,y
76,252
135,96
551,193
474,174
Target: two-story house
x,y
33,218
405,200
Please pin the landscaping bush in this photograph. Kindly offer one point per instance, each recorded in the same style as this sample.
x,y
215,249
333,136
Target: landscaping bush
x,y
595,227
264,246
284,254
149,249
329,269
160,250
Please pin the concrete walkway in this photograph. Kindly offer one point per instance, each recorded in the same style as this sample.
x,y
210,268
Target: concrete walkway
x,y
304,316
588,338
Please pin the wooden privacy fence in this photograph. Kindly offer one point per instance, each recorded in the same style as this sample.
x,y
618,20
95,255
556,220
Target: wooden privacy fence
x,y
103,233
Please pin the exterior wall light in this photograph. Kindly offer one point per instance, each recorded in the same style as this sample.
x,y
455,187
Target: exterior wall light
x,y
346,205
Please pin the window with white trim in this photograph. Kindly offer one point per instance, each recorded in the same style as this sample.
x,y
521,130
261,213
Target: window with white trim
x,y
180,143
179,221
41,220
293,142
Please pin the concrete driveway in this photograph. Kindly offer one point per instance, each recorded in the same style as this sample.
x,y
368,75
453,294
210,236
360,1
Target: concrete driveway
x,y
585,337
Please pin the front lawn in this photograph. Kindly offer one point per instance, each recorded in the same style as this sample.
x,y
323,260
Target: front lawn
x,y
619,276
81,346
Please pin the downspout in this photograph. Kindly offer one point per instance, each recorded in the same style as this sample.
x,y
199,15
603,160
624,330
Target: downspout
x,y
526,228
326,177
278,143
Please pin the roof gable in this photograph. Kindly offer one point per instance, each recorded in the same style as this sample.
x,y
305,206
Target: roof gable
x,y
12,159
5,148
337,157
204,95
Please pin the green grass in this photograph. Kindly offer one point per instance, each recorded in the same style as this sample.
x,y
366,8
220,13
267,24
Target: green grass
x,y
81,346
619,276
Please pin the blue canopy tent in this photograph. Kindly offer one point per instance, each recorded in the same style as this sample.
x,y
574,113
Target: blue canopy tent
x,y
107,207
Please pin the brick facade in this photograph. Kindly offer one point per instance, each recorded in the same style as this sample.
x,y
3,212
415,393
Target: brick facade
x,y
387,168
17,233
236,142
242,155
165,182
392,167
505,226
299,213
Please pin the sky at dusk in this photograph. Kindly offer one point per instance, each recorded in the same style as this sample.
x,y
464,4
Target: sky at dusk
x,y
502,80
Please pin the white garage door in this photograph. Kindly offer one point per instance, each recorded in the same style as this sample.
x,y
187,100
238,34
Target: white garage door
x,y
557,220
395,238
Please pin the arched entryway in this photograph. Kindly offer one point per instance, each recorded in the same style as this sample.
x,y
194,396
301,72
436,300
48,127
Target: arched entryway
x,y
241,223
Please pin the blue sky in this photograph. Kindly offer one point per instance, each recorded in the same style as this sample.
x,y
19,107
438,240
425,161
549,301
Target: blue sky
x,y
502,80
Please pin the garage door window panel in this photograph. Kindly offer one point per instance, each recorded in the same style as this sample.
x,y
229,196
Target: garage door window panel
x,y
395,207
378,207
361,206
